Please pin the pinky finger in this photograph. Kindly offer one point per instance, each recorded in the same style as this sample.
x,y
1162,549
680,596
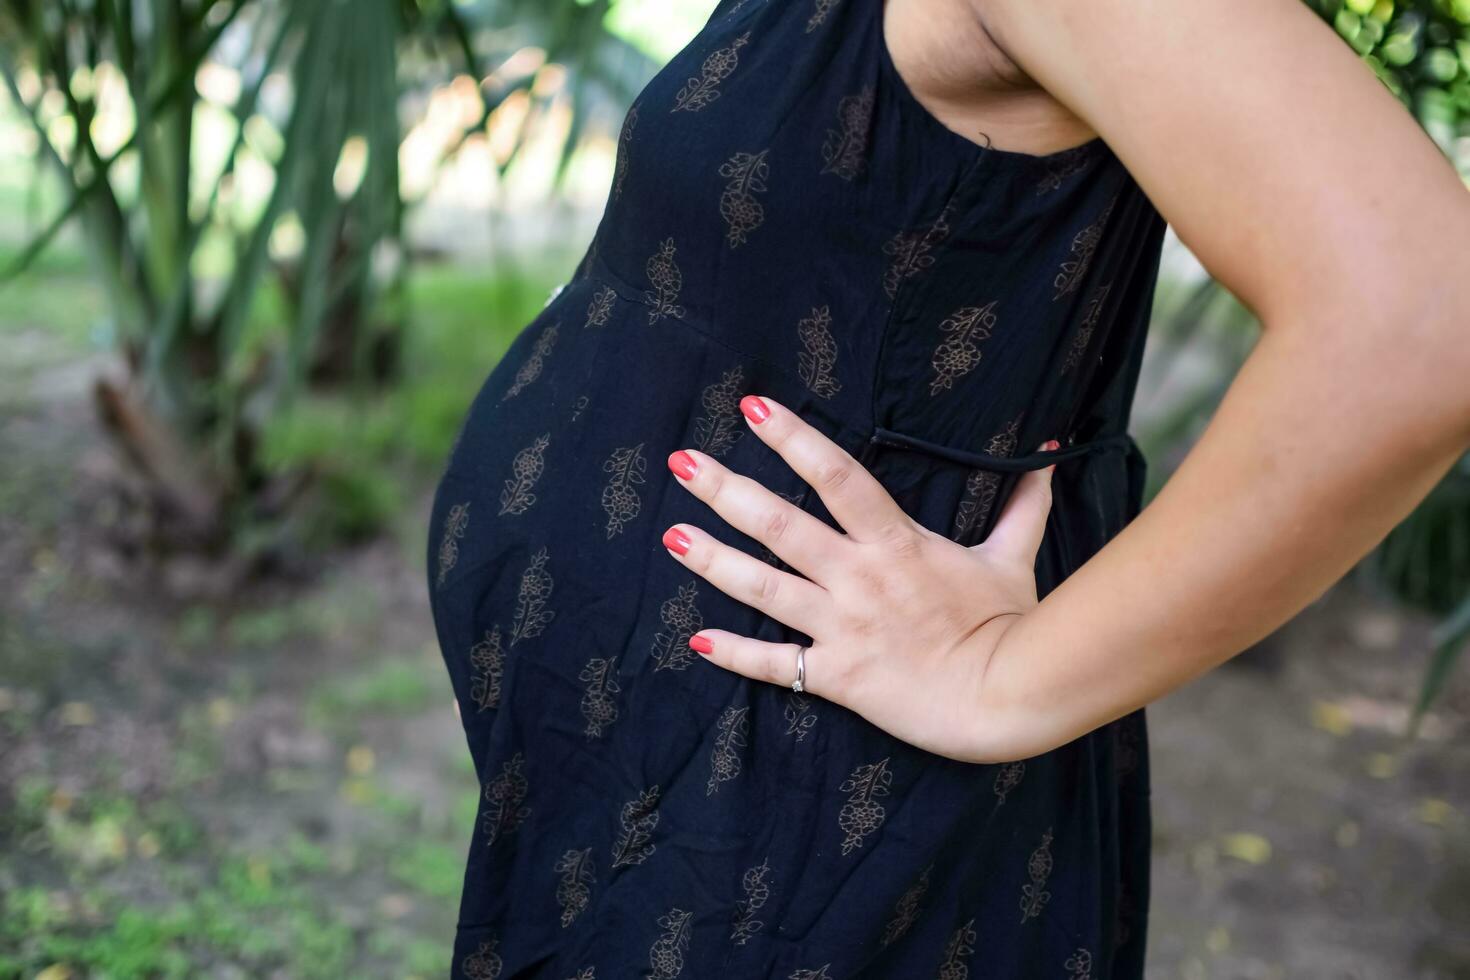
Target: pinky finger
x,y
774,663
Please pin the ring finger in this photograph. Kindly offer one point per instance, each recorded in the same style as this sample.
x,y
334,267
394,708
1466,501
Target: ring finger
x,y
774,663
795,601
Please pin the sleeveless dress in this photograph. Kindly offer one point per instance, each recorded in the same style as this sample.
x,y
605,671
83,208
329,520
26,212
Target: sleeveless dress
x,y
785,218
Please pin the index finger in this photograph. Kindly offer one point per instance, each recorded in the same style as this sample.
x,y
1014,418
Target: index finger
x,y
853,496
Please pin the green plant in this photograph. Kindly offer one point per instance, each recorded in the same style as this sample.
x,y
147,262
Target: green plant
x,y
234,164
1420,49
183,247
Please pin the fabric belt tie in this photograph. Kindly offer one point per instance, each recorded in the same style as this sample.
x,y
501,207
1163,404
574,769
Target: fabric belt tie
x,y
1004,464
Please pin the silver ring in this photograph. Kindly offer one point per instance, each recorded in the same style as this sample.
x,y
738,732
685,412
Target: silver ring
x,y
798,685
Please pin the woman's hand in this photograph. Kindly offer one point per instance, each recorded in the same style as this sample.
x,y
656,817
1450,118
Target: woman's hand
x,y
903,621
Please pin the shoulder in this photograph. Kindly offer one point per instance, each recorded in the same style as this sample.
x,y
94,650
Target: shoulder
x,y
1228,116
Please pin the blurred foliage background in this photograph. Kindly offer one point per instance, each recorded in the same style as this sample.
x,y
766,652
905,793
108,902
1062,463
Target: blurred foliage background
x,y
258,256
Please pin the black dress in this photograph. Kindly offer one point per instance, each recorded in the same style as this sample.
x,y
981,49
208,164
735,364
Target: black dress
x,y
785,218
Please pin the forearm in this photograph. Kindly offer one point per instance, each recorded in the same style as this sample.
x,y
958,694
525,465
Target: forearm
x,y
1324,442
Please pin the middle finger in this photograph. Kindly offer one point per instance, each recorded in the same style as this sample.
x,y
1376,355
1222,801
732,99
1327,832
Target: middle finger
x,y
852,494
793,535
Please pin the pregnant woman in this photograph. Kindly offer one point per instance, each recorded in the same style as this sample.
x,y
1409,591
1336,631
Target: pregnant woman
x,y
791,569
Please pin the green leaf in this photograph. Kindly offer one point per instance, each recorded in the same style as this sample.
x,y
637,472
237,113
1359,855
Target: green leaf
x,y
1449,638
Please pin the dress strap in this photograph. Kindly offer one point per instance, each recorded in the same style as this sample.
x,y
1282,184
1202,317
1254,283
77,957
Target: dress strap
x,y
1004,464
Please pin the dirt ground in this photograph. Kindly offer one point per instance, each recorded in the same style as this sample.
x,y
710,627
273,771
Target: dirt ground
x,y
1297,833
278,784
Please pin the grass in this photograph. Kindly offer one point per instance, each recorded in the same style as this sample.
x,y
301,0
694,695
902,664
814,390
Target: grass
x,y
255,910
309,866
367,448
394,686
59,295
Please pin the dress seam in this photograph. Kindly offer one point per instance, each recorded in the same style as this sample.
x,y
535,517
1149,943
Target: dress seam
x,y
624,291
904,290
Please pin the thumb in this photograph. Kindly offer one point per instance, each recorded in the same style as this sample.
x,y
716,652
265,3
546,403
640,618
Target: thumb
x,y
1022,522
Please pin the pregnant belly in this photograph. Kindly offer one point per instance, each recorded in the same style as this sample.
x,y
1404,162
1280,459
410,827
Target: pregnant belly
x,y
545,535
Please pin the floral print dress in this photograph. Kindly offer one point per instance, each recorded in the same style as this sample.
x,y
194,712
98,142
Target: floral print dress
x,y
786,218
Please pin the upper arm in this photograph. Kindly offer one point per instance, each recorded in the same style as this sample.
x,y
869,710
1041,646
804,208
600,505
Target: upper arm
x,y
1276,155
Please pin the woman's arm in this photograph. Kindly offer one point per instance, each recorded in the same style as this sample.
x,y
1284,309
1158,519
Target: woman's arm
x,y
1310,193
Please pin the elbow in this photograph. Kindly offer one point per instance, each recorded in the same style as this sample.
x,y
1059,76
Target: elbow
x,y
1420,346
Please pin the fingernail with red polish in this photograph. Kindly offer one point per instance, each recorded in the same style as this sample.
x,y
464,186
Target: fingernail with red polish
x,y
682,464
1051,444
701,644
676,541
754,409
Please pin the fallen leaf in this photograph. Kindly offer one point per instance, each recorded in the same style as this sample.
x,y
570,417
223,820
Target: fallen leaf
x,y
1435,812
1250,848
360,760
221,712
1332,718
1381,765
78,713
